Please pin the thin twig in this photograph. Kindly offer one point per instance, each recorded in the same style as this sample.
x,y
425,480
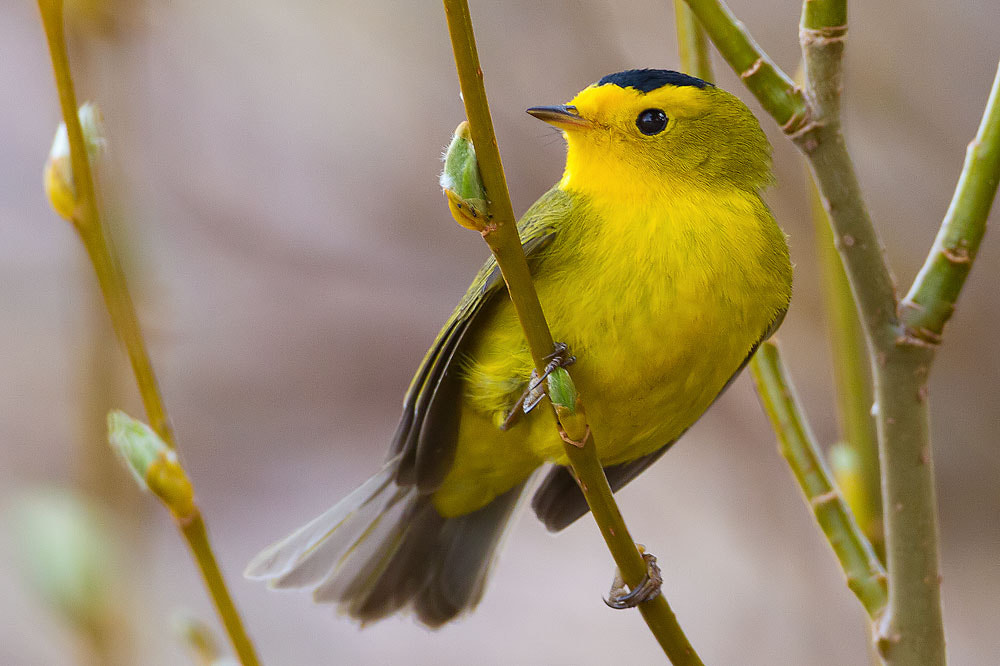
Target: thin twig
x,y
87,221
777,93
502,238
865,575
931,300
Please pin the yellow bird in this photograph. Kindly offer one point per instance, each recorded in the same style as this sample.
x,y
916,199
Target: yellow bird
x,y
659,265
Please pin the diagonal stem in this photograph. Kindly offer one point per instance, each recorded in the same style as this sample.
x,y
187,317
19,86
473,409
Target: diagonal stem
x,y
87,221
503,240
865,575
86,218
931,300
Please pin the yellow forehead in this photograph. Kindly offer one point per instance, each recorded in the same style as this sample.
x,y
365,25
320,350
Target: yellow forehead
x,y
608,101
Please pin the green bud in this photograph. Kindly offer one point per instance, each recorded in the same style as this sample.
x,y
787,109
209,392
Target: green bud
x,y
58,174
461,169
562,390
137,444
153,464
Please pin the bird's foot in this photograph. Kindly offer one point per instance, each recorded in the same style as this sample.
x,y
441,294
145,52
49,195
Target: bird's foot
x,y
559,358
647,588
533,394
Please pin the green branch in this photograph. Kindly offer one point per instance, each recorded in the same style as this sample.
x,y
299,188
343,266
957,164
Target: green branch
x,y
86,218
865,576
931,300
776,92
501,236
911,630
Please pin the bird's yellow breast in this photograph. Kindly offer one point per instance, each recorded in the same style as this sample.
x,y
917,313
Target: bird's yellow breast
x,y
670,294
660,298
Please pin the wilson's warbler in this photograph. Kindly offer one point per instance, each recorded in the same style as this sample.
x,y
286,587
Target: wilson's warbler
x,y
655,261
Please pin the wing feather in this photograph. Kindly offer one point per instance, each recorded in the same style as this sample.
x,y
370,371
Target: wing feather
x,y
427,433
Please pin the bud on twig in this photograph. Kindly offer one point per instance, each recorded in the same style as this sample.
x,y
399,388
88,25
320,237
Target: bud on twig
x,y
58,174
562,390
462,183
153,464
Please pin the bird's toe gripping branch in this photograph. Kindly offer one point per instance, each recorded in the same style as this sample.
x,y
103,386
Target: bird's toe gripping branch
x,y
648,588
560,387
559,358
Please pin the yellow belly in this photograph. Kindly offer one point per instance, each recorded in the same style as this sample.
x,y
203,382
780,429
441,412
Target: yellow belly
x,y
660,308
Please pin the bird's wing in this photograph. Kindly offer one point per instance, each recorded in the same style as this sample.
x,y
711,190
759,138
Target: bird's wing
x,y
428,428
558,501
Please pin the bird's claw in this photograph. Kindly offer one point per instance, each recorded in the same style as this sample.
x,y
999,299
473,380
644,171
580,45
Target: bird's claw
x,y
648,588
559,358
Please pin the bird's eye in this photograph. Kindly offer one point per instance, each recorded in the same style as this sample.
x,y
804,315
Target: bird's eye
x,y
651,121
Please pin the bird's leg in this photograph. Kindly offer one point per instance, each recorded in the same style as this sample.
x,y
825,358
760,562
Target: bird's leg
x,y
511,418
534,393
647,588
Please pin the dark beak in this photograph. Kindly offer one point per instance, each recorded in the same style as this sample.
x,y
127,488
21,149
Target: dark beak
x,y
563,117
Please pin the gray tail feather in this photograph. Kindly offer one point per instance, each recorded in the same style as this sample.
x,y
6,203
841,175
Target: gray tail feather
x,y
385,547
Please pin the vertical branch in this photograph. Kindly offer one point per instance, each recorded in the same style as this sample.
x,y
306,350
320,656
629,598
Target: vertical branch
x,y
86,219
911,631
501,236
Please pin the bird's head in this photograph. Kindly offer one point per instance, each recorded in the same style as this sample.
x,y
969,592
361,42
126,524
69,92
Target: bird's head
x,y
653,128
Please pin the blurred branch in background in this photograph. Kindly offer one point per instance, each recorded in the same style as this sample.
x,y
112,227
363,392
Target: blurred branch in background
x,y
852,383
73,195
499,230
692,43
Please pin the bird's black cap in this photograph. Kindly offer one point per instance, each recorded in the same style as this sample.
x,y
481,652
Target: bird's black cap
x,y
647,80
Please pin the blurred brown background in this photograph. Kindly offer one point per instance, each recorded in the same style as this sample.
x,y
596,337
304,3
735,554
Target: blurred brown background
x,y
272,177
